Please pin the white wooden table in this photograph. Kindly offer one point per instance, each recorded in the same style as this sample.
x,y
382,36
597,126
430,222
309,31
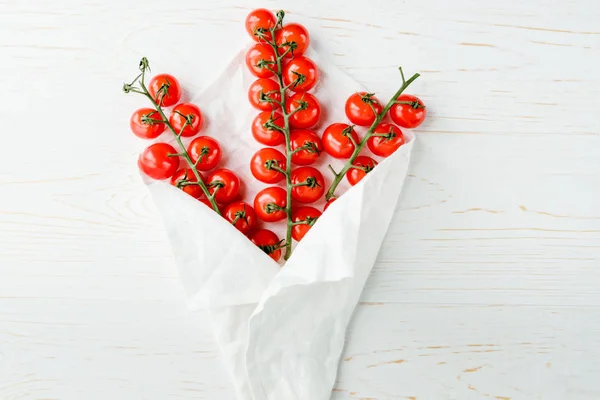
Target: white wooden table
x,y
488,284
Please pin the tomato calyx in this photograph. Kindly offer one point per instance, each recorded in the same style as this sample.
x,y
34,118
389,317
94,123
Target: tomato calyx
x,y
240,215
368,98
189,120
300,79
302,105
347,132
310,182
366,168
271,125
310,221
309,146
148,120
414,104
270,208
273,164
386,136
269,248
264,97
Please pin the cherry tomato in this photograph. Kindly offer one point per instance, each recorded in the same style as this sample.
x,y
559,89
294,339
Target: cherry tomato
x,y
261,131
145,123
292,33
301,70
359,111
309,115
410,113
264,165
205,149
156,162
264,88
313,184
270,204
241,215
165,90
259,59
260,20
268,242
307,214
225,183
337,142
184,179
329,203
385,145
311,143
364,165
181,113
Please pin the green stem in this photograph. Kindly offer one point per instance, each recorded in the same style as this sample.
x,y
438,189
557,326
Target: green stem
x,y
288,147
184,152
358,148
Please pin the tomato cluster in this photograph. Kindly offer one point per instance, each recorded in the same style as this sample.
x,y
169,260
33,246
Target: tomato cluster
x,y
203,153
286,127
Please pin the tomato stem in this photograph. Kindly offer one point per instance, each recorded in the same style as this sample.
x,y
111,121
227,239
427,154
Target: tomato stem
x,y
144,66
358,147
286,127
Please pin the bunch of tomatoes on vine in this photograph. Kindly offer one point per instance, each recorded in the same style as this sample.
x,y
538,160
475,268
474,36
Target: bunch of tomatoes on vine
x,y
287,124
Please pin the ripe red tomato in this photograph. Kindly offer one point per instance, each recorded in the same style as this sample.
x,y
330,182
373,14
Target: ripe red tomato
x,y
292,33
309,114
260,20
205,149
312,184
389,138
307,214
337,142
156,162
410,113
364,165
270,204
184,179
165,90
242,216
207,202
180,115
260,58
145,123
262,88
268,242
311,143
358,108
301,70
265,163
329,203
225,183
261,131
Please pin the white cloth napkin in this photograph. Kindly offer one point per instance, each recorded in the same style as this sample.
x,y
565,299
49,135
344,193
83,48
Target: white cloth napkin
x,y
280,329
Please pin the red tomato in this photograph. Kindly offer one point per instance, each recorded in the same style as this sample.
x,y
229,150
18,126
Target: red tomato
x,y
410,113
329,203
389,138
259,59
296,36
359,111
165,90
156,162
145,123
310,142
364,165
260,90
260,21
185,180
206,150
242,216
263,133
312,184
309,114
337,142
302,72
264,165
270,204
268,242
309,215
182,113
225,183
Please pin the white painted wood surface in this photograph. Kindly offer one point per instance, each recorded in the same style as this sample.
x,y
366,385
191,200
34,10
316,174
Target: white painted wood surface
x,y
487,287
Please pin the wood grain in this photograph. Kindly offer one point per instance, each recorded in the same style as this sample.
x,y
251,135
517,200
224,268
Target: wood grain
x,y
486,286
